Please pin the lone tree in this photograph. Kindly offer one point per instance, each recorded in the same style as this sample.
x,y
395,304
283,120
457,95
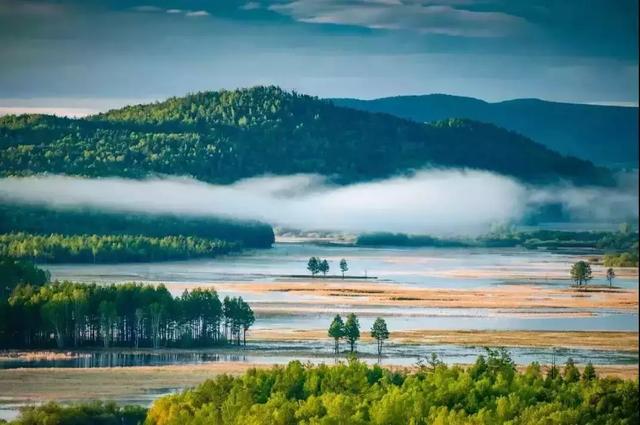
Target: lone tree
x,y
313,265
324,267
344,267
337,331
352,330
379,332
610,276
581,273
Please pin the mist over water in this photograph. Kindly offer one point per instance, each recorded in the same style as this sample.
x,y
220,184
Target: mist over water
x,y
437,202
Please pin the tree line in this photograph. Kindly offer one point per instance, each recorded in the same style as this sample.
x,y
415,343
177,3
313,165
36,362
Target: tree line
x,y
58,248
42,220
68,314
624,241
581,274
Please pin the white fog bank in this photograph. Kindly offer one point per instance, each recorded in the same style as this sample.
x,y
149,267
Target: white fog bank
x,y
437,202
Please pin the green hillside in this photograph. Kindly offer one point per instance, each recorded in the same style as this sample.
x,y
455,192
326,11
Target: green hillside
x,y
606,135
224,136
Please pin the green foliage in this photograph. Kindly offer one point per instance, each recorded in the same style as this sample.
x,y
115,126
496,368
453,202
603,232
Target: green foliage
x,y
313,265
379,332
581,273
224,136
42,220
571,372
324,267
622,259
14,272
87,315
96,413
352,331
490,392
344,267
55,248
337,332
589,373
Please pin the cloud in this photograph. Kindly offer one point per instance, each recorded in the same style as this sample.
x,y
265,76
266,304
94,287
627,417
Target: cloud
x,y
252,5
197,13
155,9
433,18
437,202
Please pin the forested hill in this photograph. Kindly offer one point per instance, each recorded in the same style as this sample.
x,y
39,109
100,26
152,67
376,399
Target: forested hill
x,y
606,135
228,135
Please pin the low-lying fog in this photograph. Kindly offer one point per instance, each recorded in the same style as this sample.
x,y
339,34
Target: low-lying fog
x,y
437,202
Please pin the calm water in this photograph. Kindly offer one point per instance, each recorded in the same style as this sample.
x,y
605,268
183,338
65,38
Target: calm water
x,y
457,268
316,352
423,267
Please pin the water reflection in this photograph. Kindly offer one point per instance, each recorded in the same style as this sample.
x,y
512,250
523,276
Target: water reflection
x,y
315,352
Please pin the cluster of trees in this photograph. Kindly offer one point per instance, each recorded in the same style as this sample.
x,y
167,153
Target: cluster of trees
x,y
228,135
315,265
38,314
581,274
350,331
57,248
489,392
85,221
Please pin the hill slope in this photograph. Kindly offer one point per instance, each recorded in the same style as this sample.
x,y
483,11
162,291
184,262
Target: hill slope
x,y
225,136
606,135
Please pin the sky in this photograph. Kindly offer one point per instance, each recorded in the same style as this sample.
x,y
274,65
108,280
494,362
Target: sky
x,y
74,57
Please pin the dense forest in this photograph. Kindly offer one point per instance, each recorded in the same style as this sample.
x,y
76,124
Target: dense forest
x,y
604,134
36,313
228,135
42,220
56,248
489,392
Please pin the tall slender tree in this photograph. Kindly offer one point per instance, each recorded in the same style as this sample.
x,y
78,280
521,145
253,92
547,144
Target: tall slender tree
x,y
352,331
313,265
324,267
380,333
336,331
344,267
610,276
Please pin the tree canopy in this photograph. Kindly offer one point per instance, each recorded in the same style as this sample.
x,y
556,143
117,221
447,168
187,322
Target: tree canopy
x,y
489,392
224,136
86,315
581,273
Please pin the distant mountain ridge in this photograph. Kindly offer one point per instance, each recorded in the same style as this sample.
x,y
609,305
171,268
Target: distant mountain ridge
x,y
224,136
605,135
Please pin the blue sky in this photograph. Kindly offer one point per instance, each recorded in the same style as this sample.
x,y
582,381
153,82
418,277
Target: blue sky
x,y
88,55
